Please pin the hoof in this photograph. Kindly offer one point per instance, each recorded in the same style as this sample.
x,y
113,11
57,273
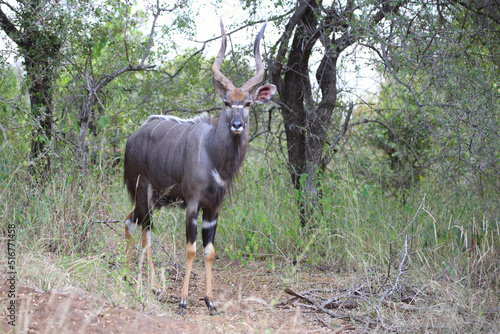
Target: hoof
x,y
182,308
156,291
211,307
213,311
129,279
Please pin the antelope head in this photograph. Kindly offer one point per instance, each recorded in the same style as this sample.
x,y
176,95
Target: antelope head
x,y
237,101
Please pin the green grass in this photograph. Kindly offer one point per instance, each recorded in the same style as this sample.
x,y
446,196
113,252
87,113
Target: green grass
x,y
355,224
359,231
357,228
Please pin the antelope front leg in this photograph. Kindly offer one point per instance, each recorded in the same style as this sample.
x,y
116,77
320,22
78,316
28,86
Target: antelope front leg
x,y
208,228
191,231
146,246
129,229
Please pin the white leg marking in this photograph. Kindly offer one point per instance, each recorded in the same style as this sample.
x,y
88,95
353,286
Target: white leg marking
x,y
194,246
206,225
151,205
130,225
209,248
148,236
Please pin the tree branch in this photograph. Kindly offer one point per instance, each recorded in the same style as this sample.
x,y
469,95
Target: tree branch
x,y
345,127
179,69
282,45
150,39
480,10
10,29
5,137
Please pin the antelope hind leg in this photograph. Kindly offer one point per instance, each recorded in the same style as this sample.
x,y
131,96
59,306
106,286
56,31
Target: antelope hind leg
x,y
191,232
208,229
146,246
209,259
129,230
191,252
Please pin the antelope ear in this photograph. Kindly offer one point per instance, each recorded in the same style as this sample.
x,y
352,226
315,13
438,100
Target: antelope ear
x,y
264,93
219,88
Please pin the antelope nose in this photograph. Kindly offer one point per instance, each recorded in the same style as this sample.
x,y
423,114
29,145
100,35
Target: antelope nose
x,y
236,126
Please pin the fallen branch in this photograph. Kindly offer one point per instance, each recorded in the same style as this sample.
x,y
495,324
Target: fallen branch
x,y
335,302
105,221
286,301
312,301
322,309
402,308
348,327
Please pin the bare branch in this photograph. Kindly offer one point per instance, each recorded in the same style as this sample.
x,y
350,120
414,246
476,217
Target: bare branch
x,y
150,39
322,309
345,127
180,68
5,137
415,216
483,11
249,24
10,6
10,29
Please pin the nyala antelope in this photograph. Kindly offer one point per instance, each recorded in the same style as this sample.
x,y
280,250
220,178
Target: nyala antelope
x,y
191,162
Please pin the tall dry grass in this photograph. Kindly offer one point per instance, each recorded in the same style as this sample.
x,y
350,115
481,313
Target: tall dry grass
x,y
438,249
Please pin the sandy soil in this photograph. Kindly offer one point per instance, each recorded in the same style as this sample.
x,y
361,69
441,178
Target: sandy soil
x,y
243,297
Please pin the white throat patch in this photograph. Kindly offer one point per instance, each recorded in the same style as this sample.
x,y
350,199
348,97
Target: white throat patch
x,y
218,179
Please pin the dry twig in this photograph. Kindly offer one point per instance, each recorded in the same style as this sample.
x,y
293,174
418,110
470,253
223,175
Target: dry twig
x,y
322,309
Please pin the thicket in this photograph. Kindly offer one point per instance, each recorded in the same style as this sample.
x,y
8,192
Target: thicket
x,y
412,170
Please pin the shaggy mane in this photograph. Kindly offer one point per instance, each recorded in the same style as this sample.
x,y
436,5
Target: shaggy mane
x,y
202,118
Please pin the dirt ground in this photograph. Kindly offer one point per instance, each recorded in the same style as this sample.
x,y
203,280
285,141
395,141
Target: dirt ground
x,y
243,297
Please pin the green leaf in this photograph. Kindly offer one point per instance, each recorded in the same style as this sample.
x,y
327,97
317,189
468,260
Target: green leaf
x,y
74,123
103,122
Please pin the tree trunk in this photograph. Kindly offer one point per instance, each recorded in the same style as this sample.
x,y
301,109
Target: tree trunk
x,y
307,121
40,49
41,72
41,133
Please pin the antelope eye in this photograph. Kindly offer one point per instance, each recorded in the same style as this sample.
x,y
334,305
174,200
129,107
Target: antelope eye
x,y
248,104
227,104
